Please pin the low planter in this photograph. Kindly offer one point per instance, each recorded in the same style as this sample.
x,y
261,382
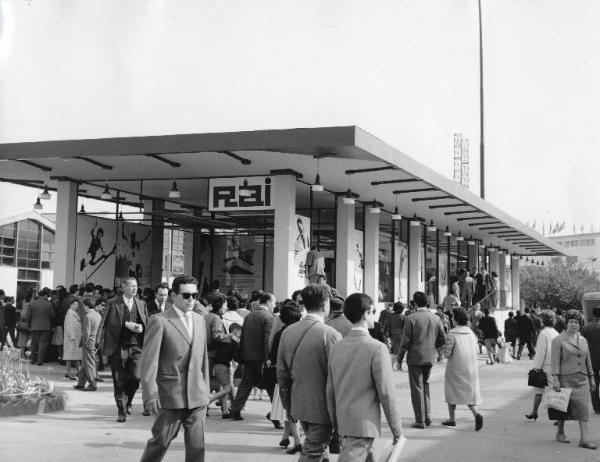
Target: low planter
x,y
16,405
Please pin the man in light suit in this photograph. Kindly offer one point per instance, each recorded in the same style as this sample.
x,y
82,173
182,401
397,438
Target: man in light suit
x,y
359,383
91,323
302,371
159,304
175,378
423,335
121,337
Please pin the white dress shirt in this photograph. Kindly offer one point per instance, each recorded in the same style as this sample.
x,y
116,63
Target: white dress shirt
x,y
128,302
186,319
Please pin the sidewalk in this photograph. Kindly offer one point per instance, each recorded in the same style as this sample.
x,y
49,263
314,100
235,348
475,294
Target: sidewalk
x,y
88,430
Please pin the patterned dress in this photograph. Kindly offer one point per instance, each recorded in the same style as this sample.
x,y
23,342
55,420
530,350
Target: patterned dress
x,y
72,340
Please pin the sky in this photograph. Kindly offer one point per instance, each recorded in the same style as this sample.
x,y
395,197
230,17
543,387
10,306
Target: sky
x,y
404,70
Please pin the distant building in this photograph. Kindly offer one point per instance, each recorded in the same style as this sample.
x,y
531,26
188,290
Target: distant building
x,y
584,249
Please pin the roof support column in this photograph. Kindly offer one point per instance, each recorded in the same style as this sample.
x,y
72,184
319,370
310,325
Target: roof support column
x,y
414,259
158,224
514,282
66,233
344,260
473,257
371,275
284,202
502,278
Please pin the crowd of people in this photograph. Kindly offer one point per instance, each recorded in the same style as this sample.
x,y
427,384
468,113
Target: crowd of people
x,y
187,350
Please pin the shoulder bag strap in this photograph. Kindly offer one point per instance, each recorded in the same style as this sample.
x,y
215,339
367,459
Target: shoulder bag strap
x,y
298,344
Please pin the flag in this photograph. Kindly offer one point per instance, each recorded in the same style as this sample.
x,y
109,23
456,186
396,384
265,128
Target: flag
x,y
533,225
563,225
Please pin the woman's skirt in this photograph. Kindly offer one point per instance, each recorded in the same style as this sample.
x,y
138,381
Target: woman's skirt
x,y
277,410
579,403
57,337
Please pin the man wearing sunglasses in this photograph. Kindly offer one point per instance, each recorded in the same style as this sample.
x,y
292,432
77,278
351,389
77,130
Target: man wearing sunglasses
x,y
175,378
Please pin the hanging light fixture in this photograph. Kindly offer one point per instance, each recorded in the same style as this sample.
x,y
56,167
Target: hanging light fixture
x,y
349,197
459,238
82,209
431,227
106,195
542,262
396,215
244,191
38,205
527,259
491,248
174,192
482,246
46,194
374,208
447,233
317,187
415,221
471,241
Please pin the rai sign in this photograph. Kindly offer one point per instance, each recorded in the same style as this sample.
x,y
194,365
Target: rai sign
x,y
232,194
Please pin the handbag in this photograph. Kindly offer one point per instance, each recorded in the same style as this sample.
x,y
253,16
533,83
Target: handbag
x,y
285,393
268,377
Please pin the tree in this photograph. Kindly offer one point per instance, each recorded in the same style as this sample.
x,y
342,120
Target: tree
x,y
557,286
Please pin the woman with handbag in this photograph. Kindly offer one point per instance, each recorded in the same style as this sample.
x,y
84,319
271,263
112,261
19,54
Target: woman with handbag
x,y
542,362
572,368
72,352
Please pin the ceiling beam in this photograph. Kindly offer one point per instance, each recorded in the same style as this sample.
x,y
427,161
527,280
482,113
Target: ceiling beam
x,y
432,198
94,162
409,191
463,212
33,164
485,223
448,206
369,170
233,155
483,217
405,180
165,160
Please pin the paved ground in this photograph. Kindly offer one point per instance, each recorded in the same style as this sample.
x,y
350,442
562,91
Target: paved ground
x,y
87,430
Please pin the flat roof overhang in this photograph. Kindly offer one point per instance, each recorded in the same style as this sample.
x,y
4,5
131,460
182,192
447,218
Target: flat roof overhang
x,y
147,165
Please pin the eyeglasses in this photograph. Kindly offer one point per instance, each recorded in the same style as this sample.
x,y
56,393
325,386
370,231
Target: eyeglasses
x,y
187,295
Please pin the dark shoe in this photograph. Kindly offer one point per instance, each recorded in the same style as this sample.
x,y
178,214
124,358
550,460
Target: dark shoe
x,y
298,448
78,387
98,379
428,423
284,443
128,408
449,423
122,417
418,425
236,415
146,413
277,424
533,416
478,422
587,445
41,364
225,416
90,388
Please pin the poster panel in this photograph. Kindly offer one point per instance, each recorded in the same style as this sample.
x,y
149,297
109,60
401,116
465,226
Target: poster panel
x,y
95,251
134,253
443,274
401,272
301,249
358,257
238,262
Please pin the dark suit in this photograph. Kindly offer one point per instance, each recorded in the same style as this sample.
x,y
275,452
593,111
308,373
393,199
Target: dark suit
x,y
123,355
153,307
591,332
175,371
254,349
41,314
423,334
525,329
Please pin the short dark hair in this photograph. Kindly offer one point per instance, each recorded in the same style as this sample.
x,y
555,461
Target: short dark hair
x,y
89,287
45,292
314,297
460,316
215,285
89,303
127,279
232,303
234,326
179,280
486,311
265,297
510,314
548,318
420,299
398,307
73,289
356,305
574,314
218,302
162,285
336,304
296,293
290,312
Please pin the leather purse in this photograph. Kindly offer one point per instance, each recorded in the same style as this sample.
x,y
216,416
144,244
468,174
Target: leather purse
x,y
537,378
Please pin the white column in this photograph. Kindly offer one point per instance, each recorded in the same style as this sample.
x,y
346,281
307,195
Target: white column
x,y
514,282
502,278
66,233
493,261
414,258
284,202
371,276
157,224
344,259
473,257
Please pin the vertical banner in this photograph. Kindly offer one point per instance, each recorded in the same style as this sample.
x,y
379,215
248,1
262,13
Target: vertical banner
x,y
95,251
385,279
134,253
401,272
359,262
301,249
443,281
238,262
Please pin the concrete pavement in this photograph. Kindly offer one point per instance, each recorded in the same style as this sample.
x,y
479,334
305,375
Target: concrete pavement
x,y
88,430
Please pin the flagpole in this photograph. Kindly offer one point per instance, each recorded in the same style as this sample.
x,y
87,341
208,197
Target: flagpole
x,y
481,131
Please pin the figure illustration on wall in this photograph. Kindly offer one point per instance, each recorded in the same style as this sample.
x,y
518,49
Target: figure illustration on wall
x,y
302,242
237,260
134,244
95,246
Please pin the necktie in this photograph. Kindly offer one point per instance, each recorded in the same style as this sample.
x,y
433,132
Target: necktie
x,y
188,322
